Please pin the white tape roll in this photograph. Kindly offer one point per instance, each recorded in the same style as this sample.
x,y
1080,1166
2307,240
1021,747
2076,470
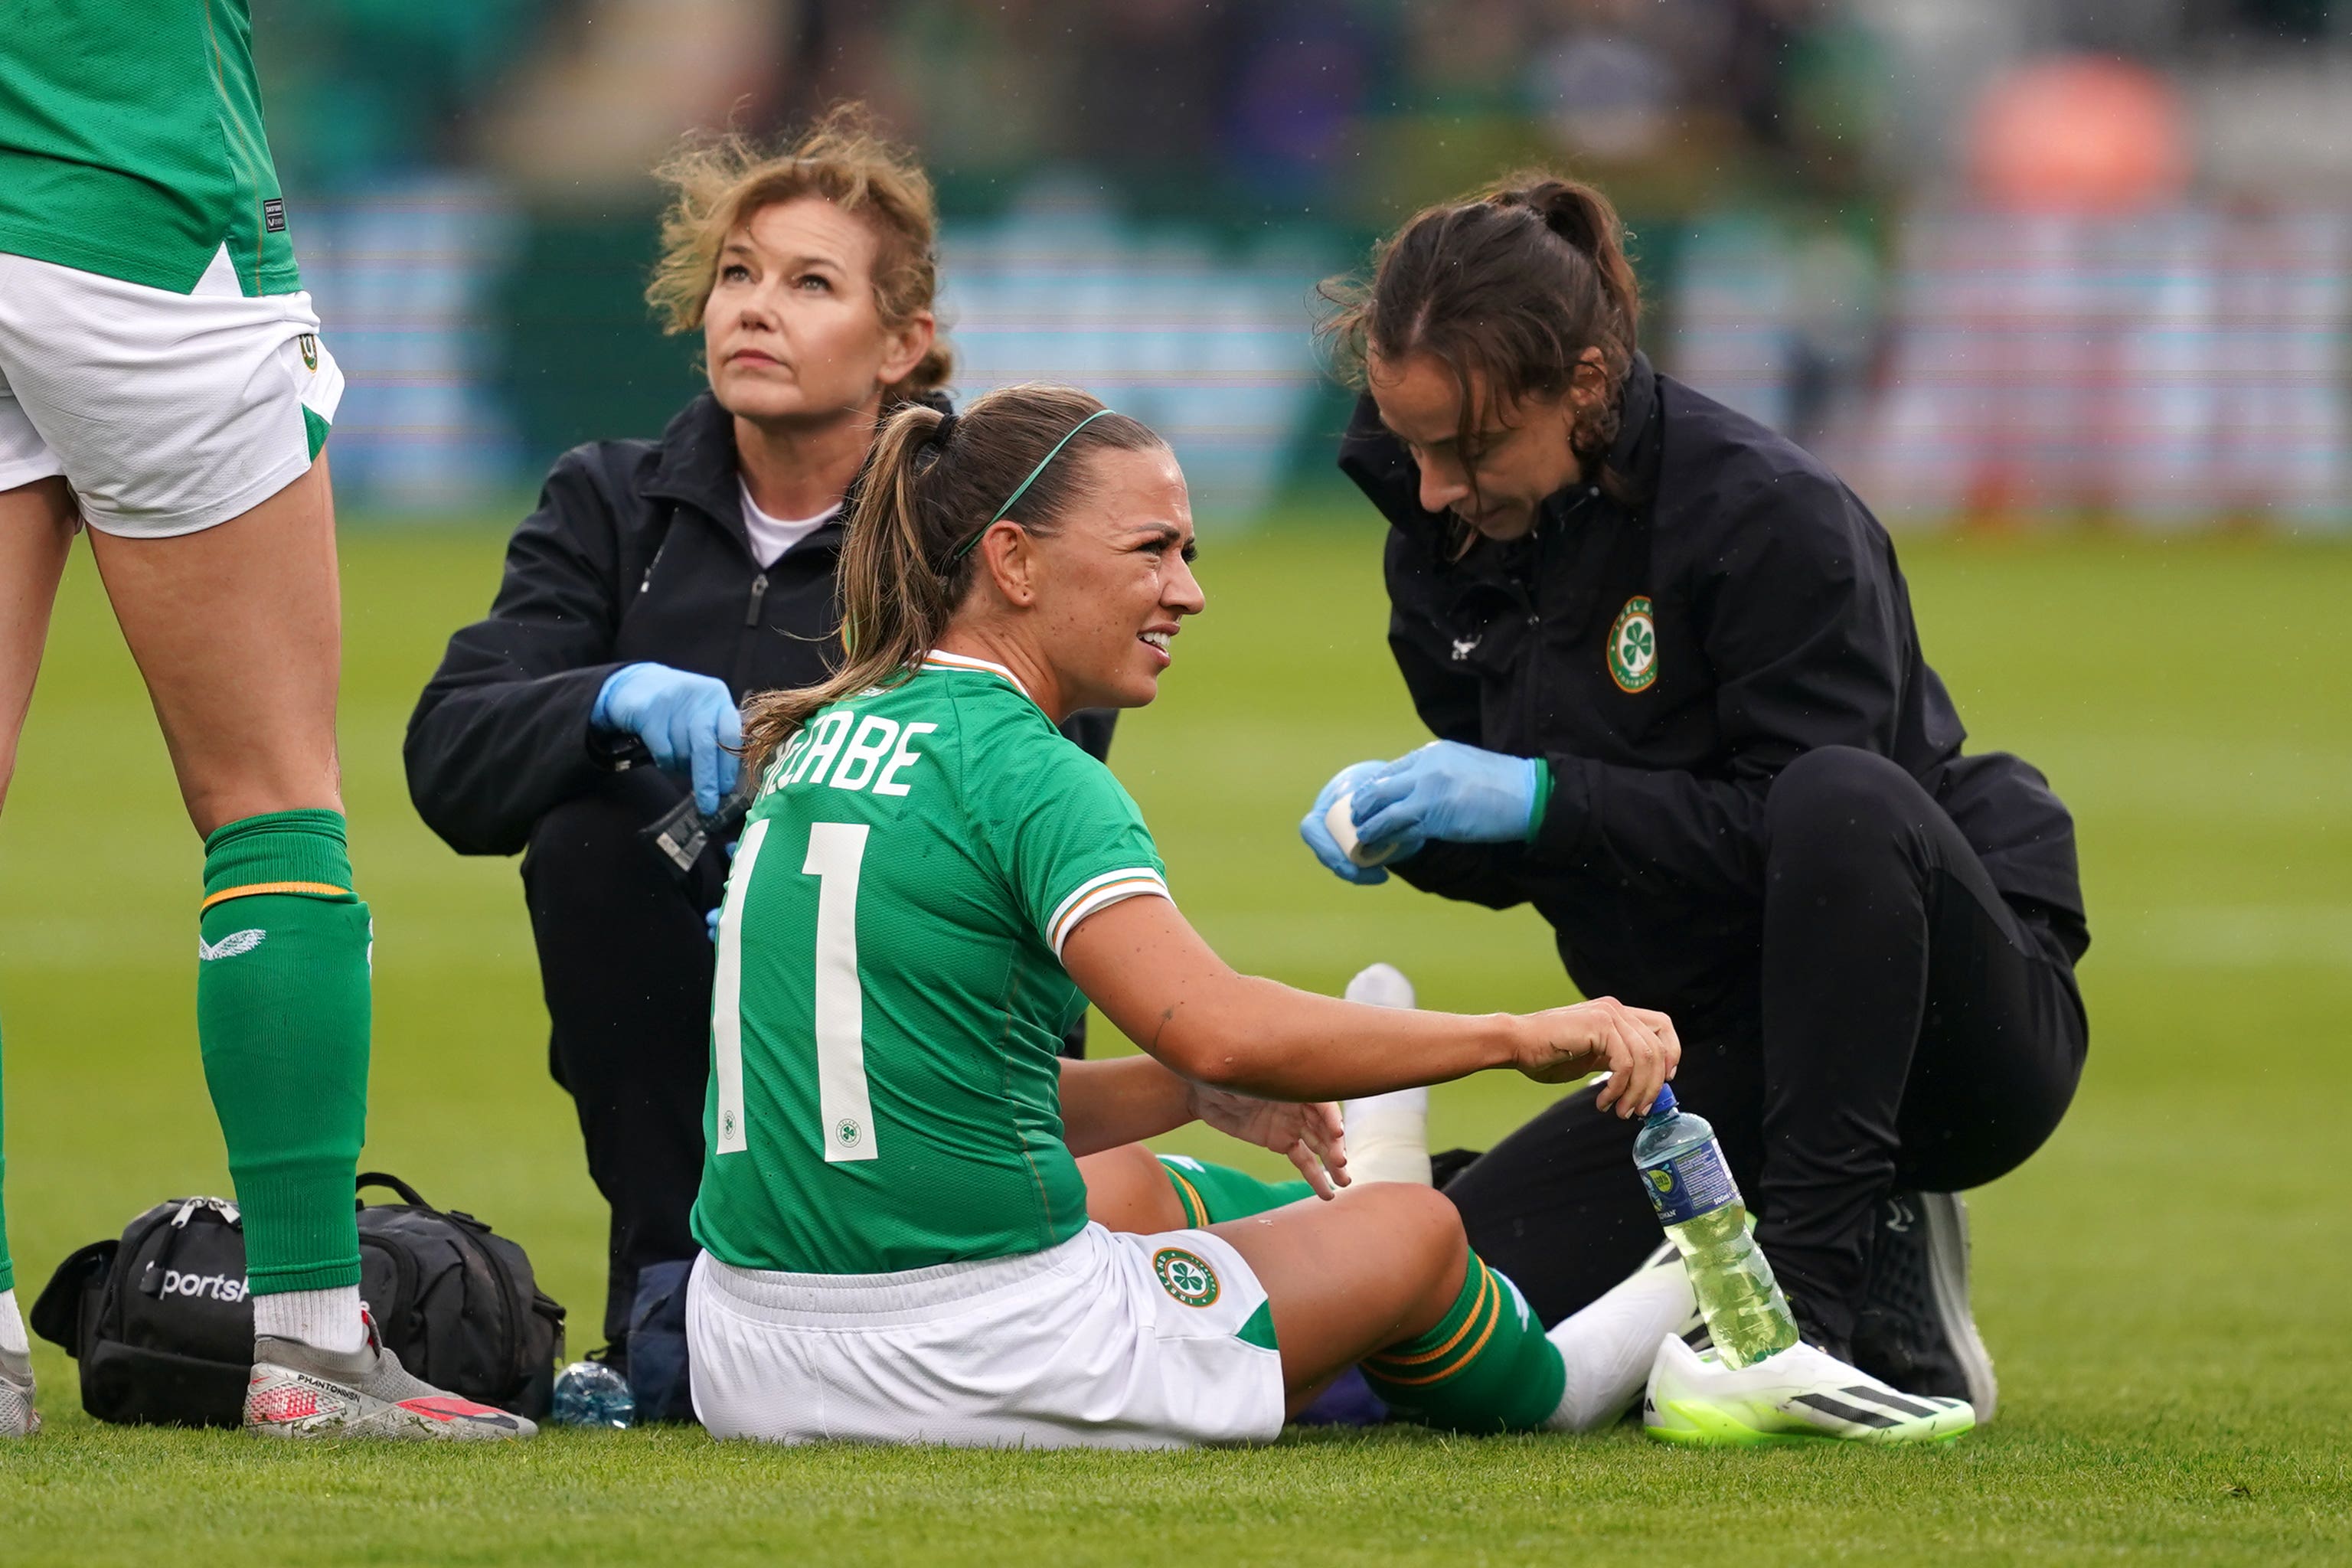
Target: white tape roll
x,y
1341,820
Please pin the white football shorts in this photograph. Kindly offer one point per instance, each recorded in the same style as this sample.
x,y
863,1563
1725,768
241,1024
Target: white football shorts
x,y
166,413
1108,1341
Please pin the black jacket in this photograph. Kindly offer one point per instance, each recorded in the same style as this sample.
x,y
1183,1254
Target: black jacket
x,y
637,551
1782,623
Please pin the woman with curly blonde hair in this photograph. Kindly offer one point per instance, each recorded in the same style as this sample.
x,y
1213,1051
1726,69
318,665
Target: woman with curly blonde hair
x,y
590,719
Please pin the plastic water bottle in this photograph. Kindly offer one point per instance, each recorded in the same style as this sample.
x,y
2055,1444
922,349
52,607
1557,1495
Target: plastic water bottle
x,y
1690,1187
590,1394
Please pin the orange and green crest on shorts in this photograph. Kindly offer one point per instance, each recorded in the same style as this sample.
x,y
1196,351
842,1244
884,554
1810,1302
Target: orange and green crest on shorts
x,y
1186,1276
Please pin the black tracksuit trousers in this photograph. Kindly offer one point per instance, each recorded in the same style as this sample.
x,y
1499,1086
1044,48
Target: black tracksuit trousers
x,y
626,962
1910,1027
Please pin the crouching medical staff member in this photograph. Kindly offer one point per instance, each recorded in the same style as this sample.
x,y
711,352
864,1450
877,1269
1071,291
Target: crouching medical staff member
x,y
657,584
1681,708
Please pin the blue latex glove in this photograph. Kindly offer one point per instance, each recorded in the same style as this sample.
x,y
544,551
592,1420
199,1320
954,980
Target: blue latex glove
x,y
1313,829
1448,791
686,721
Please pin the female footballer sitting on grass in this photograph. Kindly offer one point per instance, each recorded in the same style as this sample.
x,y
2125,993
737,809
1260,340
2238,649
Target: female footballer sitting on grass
x,y
931,883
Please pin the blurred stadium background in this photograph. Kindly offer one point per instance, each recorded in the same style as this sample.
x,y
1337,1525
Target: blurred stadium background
x,y
1999,261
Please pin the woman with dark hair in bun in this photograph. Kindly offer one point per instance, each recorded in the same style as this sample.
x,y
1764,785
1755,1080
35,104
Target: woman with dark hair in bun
x,y
1680,707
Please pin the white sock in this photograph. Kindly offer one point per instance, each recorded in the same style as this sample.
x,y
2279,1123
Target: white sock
x,y
1608,1347
323,1319
1388,1137
12,1325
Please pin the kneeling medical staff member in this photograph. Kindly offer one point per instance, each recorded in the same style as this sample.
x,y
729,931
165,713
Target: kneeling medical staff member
x,y
656,585
1681,708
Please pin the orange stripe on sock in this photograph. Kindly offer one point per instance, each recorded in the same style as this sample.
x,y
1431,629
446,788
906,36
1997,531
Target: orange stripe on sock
x,y
1493,1317
321,889
1190,1195
1477,1305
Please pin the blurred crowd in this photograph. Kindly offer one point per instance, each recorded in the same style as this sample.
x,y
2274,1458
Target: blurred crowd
x,y
1349,109
1854,217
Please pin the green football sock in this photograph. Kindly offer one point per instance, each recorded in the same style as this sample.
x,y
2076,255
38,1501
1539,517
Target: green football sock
x,y
1486,1367
282,1014
1213,1193
7,1268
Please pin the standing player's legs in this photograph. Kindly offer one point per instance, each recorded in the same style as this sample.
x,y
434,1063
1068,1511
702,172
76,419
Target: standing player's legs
x,y
1383,1276
37,524
236,629
189,427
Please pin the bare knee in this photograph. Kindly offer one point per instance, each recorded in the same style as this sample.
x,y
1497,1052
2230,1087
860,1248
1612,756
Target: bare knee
x,y
1129,1190
1424,1231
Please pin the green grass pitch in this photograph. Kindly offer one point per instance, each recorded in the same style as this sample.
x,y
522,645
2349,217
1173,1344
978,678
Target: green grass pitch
x,y
2165,1288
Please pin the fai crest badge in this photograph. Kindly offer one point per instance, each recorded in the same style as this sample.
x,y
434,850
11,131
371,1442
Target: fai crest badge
x,y
1186,1276
309,346
1633,651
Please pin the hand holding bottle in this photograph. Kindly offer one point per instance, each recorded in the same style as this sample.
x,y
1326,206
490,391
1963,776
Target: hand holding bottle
x,y
1636,1046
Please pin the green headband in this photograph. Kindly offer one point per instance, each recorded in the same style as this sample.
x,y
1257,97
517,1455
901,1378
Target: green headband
x,y
966,547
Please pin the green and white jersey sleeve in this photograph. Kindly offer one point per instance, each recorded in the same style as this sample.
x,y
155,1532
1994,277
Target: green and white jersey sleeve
x,y
891,999
132,143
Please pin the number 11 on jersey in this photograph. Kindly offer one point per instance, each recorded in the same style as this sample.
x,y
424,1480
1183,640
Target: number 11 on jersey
x,y
835,851
845,1111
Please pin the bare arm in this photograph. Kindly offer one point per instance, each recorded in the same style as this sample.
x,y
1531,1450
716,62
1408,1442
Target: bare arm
x,y
1106,1104
1149,971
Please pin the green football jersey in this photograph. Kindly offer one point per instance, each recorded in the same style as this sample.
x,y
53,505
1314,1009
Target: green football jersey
x,y
131,143
885,1088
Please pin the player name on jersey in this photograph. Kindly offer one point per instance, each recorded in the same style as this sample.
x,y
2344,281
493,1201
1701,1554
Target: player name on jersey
x,y
876,752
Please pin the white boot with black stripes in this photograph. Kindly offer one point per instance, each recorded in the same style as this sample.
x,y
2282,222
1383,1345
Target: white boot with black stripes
x,y
1798,1394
